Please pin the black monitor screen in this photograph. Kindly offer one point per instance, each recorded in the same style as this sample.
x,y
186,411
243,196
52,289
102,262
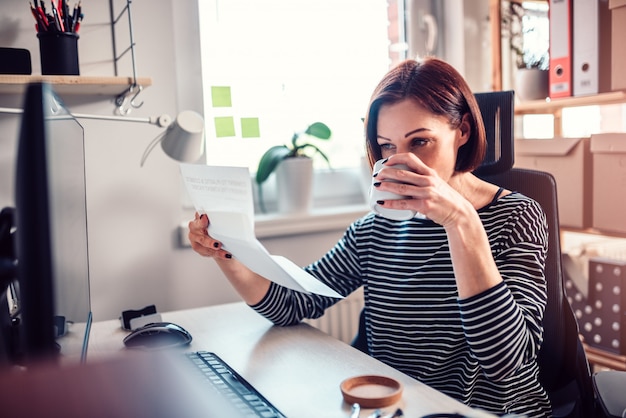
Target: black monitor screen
x,y
51,234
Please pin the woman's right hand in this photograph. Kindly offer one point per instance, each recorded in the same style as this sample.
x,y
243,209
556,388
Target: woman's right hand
x,y
202,242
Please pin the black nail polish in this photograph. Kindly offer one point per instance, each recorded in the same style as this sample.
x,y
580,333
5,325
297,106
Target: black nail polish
x,y
375,174
380,202
229,256
385,160
376,184
216,244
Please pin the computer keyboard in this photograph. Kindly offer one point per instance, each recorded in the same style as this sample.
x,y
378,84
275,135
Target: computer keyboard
x,y
231,387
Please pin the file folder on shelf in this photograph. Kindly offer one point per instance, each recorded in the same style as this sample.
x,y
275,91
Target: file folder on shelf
x,y
591,60
618,34
560,77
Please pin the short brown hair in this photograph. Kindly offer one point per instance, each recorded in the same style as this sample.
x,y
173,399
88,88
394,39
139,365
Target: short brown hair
x,y
440,88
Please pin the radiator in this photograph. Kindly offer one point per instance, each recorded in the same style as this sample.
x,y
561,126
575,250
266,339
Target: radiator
x,y
342,319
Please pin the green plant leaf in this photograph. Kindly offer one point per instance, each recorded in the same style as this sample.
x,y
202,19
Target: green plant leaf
x,y
318,130
269,161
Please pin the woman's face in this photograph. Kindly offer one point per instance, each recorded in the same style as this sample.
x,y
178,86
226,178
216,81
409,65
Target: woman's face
x,y
407,127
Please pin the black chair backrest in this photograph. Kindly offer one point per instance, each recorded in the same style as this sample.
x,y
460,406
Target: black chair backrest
x,y
497,112
564,370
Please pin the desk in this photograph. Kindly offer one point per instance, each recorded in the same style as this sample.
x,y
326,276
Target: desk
x,y
297,368
294,367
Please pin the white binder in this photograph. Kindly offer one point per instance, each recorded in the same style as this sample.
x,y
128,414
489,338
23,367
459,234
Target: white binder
x,y
591,61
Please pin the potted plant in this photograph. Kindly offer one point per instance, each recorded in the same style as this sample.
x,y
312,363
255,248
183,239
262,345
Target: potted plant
x,y
294,169
529,48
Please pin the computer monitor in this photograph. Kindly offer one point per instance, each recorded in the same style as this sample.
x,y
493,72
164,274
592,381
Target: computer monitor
x,y
51,230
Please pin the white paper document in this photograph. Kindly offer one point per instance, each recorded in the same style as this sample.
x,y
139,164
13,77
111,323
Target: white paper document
x,y
224,194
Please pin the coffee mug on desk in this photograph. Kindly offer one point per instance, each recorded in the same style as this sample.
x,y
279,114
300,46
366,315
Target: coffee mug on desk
x,y
376,195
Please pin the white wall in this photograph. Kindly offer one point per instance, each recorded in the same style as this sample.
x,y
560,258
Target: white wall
x,y
134,212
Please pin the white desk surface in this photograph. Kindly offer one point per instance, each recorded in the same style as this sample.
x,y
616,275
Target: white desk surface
x,y
299,368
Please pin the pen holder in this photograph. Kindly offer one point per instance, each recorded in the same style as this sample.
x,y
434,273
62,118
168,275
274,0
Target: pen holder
x,y
59,53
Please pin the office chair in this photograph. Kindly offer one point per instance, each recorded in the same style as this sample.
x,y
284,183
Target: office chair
x,y
563,367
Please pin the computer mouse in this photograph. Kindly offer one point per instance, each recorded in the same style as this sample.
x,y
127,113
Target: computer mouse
x,y
158,335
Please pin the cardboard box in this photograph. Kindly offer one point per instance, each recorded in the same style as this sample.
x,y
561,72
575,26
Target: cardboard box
x,y
609,182
599,302
569,161
618,52
607,329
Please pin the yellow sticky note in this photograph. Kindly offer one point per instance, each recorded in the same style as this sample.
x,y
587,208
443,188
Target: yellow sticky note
x,y
250,128
224,126
220,96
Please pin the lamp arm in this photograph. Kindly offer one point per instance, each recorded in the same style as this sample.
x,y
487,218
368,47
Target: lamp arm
x,y
178,140
11,110
161,121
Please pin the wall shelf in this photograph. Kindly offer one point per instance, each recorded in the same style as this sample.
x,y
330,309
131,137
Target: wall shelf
x,y
555,105
72,85
604,358
593,231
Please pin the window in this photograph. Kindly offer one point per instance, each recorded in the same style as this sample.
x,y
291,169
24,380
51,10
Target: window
x,y
272,67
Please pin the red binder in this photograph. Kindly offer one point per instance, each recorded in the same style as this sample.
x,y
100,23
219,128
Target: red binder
x,y
560,77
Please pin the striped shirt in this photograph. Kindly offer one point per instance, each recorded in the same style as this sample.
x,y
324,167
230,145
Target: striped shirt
x,y
480,350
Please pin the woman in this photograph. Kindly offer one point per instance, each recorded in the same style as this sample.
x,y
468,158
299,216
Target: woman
x,y
455,300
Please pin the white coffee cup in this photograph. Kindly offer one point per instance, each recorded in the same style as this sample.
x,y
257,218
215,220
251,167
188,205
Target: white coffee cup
x,y
376,195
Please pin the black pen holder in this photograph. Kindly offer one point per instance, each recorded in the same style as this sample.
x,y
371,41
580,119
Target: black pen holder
x,y
59,53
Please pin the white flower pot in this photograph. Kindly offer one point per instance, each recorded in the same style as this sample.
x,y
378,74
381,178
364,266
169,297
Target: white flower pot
x,y
531,84
294,185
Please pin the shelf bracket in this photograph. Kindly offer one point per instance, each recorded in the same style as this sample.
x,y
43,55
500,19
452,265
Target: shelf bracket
x,y
127,100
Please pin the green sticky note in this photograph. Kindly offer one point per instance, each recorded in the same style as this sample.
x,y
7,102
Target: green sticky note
x,y
250,128
220,96
224,126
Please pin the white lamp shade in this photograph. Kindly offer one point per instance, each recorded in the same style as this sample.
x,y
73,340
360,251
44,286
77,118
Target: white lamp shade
x,y
184,138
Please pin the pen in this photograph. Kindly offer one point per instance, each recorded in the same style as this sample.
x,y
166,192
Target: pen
x,y
57,19
42,22
60,10
38,26
74,18
77,26
61,14
43,17
66,16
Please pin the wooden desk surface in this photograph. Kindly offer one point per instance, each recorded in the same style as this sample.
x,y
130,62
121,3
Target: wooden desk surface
x,y
299,369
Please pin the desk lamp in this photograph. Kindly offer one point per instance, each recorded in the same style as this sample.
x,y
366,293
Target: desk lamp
x,y
182,140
